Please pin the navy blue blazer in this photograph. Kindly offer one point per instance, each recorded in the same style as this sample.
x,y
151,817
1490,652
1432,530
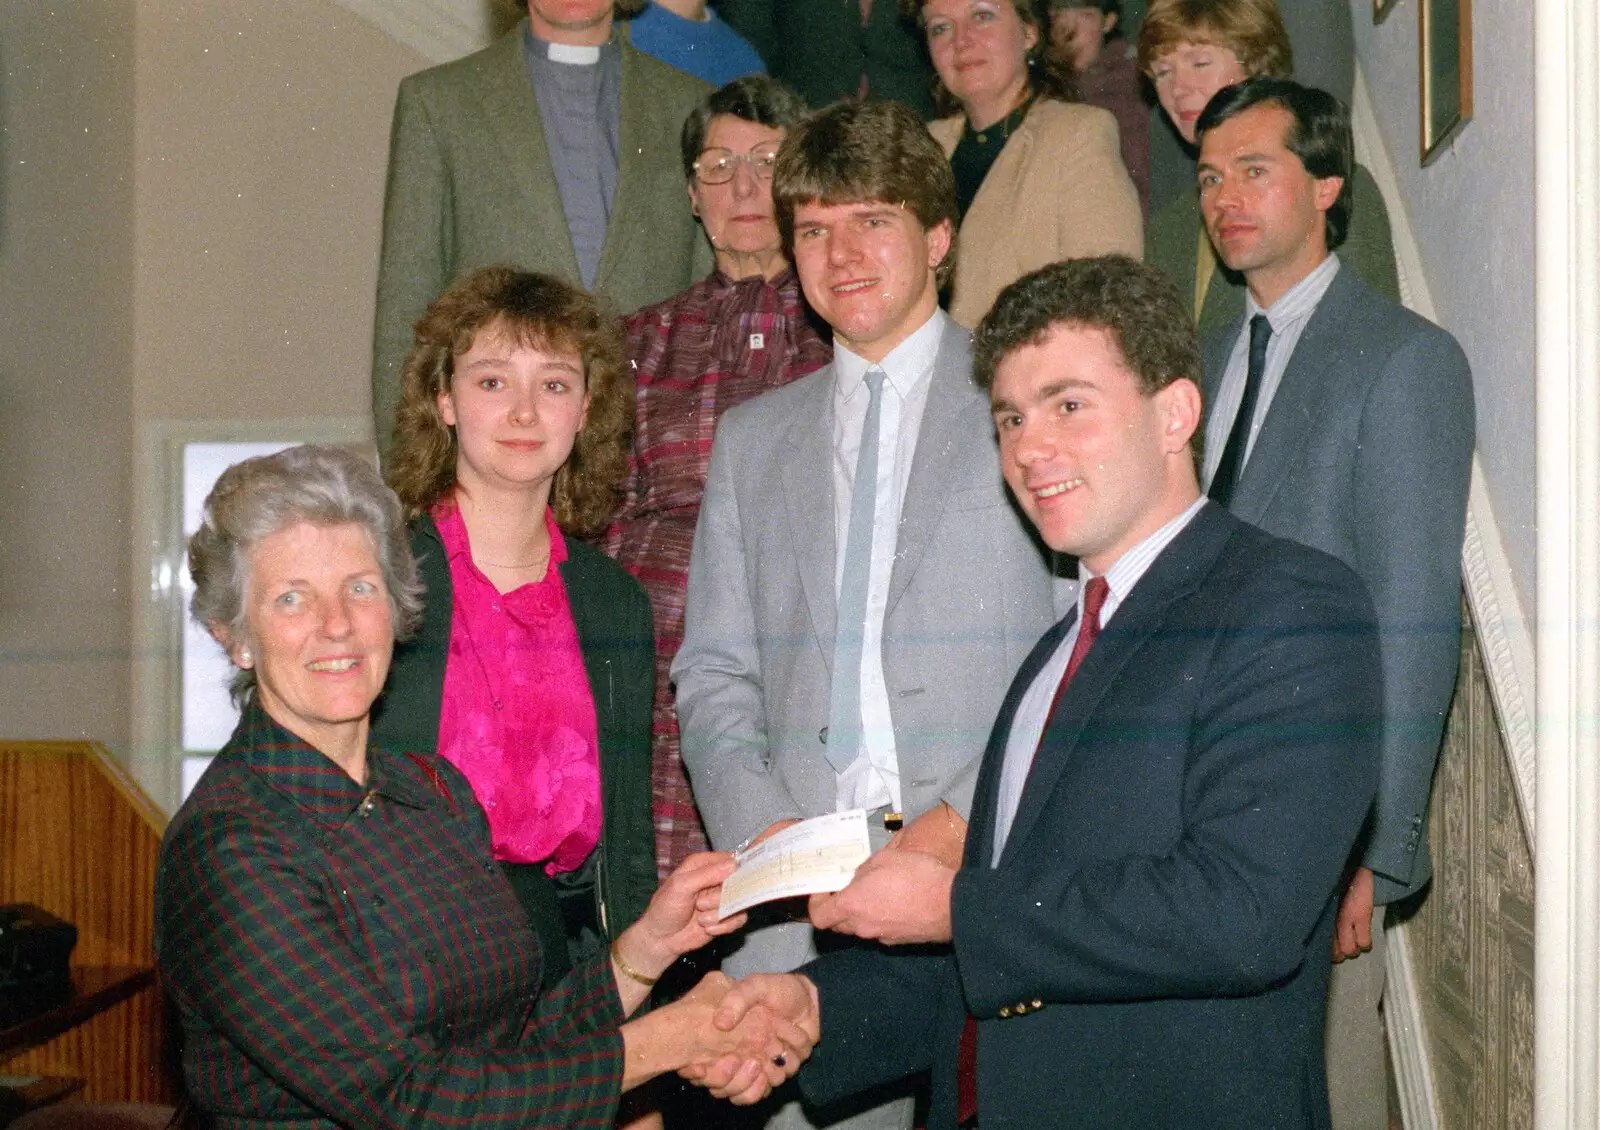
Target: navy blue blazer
x,y
1152,949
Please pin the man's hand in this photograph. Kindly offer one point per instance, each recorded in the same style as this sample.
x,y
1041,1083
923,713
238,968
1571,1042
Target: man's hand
x,y
897,897
1352,931
784,1002
939,832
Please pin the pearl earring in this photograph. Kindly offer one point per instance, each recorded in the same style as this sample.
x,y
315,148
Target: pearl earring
x,y
244,657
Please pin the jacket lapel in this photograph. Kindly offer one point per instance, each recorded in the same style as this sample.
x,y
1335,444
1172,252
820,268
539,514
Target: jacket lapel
x,y
806,452
513,115
1177,572
640,136
1308,380
944,431
980,830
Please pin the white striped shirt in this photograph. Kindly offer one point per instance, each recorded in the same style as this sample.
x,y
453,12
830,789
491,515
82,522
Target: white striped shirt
x,y
1287,317
1034,709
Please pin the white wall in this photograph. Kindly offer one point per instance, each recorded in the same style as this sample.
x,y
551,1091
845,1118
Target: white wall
x,y
1472,213
66,307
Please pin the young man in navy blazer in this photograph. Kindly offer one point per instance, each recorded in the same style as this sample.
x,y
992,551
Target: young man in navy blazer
x,y
1140,932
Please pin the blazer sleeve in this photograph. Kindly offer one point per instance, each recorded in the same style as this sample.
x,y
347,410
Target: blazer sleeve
x,y
717,671
415,261
1097,206
1275,788
881,1017
1410,489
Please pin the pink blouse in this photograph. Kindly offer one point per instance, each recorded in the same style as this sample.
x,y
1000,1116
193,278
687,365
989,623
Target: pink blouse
x,y
518,717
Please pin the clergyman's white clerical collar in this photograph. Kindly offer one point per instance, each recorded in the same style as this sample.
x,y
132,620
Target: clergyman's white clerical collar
x,y
572,55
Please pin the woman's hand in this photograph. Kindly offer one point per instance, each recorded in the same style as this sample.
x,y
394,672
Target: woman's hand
x,y
682,916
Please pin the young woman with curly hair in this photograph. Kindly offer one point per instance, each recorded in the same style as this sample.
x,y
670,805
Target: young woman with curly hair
x,y
533,669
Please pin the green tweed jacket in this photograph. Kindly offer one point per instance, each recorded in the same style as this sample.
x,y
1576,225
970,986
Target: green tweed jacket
x,y
615,631
471,184
1172,242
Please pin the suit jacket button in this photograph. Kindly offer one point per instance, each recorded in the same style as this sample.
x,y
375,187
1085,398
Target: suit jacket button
x,y
1005,1014
822,735
1037,1005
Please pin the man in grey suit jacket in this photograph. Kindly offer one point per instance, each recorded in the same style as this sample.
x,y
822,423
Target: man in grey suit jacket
x,y
554,149
831,663
1358,441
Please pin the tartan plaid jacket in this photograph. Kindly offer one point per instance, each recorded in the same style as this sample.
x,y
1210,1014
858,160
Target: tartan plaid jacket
x,y
342,955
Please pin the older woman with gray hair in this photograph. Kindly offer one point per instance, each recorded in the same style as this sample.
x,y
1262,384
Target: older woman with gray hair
x,y
742,330
340,947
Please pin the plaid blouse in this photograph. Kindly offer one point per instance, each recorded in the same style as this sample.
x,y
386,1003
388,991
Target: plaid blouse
x,y
352,956
696,355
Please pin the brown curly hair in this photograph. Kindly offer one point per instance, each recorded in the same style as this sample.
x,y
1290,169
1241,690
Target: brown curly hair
x,y
538,312
1049,75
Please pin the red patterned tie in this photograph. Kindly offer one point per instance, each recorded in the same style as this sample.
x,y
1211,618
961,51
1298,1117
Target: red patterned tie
x,y
1094,599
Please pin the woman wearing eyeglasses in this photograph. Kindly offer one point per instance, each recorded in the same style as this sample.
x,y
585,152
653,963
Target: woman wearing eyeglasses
x,y
739,332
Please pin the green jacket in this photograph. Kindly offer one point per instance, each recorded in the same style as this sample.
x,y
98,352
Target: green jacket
x,y
471,184
1172,241
612,615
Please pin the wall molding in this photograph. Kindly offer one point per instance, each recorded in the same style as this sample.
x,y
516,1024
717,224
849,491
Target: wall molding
x,y
1567,429
1505,637
1505,632
1408,1037
440,30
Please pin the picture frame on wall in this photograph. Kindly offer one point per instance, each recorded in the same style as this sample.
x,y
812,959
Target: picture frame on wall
x,y
1445,66
1381,9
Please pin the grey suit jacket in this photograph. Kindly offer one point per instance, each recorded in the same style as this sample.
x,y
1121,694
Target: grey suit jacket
x,y
1366,454
970,593
471,184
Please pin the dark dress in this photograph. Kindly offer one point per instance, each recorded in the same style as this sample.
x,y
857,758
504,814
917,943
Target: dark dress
x,y
349,955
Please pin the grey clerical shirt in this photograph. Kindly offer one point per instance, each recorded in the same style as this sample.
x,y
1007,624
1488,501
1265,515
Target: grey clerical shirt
x,y
579,92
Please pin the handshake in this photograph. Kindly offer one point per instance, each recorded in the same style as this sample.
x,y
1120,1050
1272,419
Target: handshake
x,y
741,1039
749,1035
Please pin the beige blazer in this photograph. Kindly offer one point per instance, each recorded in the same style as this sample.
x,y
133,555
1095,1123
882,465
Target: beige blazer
x,y
1057,191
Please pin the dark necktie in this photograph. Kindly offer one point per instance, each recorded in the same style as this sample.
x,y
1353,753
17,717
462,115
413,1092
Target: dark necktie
x,y
1232,464
1094,599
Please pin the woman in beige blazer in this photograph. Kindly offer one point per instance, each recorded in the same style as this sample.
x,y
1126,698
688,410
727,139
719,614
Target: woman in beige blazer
x,y
1039,176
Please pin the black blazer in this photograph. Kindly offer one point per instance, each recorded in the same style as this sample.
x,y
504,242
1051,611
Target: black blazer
x,y
1152,949
612,615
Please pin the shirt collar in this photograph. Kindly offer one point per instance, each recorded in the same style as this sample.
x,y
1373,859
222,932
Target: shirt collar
x,y
542,49
905,366
314,782
1127,570
1297,303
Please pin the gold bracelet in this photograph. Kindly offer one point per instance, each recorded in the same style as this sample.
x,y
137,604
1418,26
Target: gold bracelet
x,y
627,970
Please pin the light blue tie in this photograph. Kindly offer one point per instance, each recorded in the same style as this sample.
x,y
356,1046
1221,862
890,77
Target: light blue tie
x,y
844,706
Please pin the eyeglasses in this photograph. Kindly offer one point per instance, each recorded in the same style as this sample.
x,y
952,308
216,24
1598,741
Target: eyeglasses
x,y
717,166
